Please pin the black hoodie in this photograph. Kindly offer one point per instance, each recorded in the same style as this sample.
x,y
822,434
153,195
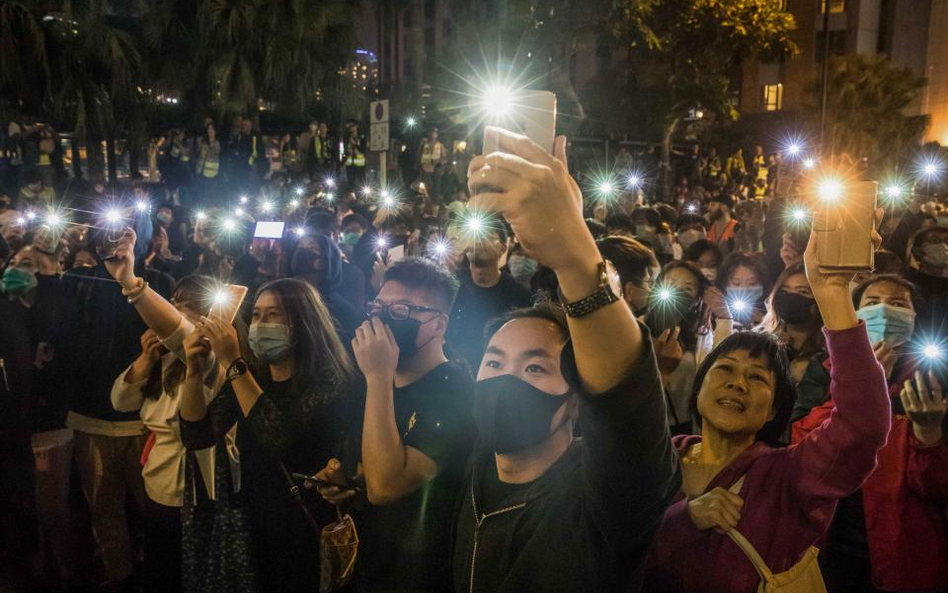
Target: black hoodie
x,y
587,522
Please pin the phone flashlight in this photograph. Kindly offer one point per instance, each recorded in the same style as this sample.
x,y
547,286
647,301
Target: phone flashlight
x,y
200,215
830,189
30,215
243,199
300,191
142,206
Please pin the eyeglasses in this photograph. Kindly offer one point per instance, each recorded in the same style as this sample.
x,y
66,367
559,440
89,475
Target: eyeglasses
x,y
397,311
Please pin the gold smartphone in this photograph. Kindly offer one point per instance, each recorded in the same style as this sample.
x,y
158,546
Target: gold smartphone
x,y
227,301
845,226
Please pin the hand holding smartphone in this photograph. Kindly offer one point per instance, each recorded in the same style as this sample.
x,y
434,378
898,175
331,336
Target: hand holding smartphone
x,y
227,302
845,223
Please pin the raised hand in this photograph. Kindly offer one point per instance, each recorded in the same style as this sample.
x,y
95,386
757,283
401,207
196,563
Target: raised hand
x,y
925,406
534,192
122,265
375,350
668,350
222,338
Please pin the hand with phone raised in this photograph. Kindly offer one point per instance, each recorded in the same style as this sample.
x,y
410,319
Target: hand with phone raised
x,y
121,265
533,191
831,288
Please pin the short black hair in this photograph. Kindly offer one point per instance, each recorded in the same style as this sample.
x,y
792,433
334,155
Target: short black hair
x,y
698,248
918,301
321,219
548,310
357,219
619,221
651,216
422,274
756,344
631,258
689,219
724,199
596,228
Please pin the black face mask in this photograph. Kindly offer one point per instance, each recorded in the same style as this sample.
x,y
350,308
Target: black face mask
x,y
796,309
511,415
405,332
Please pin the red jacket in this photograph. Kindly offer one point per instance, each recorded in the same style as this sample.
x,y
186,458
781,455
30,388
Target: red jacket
x,y
904,501
789,493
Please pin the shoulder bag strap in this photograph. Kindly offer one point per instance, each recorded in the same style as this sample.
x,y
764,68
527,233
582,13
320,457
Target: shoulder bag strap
x,y
295,493
738,538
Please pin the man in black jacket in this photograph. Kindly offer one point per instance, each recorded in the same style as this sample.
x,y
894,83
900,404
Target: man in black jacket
x,y
543,511
487,290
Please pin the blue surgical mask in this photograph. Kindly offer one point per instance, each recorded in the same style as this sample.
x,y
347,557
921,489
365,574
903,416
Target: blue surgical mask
x,y
270,342
895,325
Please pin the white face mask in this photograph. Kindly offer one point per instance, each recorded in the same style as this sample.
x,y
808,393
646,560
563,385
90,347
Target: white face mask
x,y
689,237
710,273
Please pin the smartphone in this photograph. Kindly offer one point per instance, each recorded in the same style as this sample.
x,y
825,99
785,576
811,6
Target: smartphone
x,y
227,302
319,482
845,229
534,116
395,254
269,229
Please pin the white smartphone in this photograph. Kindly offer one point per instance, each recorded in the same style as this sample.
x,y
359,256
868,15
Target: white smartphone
x,y
269,229
533,114
395,254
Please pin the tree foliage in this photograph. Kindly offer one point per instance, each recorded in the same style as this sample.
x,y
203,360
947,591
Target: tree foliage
x,y
866,101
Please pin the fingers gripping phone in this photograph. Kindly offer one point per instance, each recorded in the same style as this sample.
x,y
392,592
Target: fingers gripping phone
x,y
531,113
227,301
327,483
844,226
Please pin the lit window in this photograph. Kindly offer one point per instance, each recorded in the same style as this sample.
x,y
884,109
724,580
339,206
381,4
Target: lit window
x,y
835,6
772,97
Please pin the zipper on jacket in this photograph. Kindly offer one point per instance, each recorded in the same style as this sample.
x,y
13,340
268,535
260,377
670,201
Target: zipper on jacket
x,y
478,521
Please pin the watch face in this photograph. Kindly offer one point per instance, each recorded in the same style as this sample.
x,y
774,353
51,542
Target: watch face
x,y
613,278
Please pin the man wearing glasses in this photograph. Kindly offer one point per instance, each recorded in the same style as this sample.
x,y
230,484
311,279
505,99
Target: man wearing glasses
x,y
417,431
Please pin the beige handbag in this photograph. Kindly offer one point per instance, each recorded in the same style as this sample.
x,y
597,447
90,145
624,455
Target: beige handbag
x,y
803,577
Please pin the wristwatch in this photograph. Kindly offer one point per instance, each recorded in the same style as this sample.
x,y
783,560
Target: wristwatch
x,y
607,293
236,369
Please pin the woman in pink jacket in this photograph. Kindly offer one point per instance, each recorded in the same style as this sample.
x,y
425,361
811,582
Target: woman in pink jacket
x,y
743,398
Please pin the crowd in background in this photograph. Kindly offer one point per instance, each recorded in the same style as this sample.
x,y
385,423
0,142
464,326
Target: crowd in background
x,y
405,347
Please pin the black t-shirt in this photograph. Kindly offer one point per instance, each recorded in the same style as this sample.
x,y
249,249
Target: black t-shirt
x,y
495,494
405,545
474,307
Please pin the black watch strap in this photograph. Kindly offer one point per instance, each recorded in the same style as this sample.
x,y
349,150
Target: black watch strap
x,y
597,300
236,369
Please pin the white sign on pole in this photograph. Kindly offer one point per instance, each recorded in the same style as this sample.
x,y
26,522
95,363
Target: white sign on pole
x,y
378,128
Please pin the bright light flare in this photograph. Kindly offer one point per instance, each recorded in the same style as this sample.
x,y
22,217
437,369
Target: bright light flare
x,y
200,215
112,215
635,181
367,191
830,189
221,297
799,214
266,206
411,122
692,208
793,149
739,305
381,243
239,211
229,224
606,188
893,192
53,220
932,352
21,220
294,203
809,163
329,182
142,206
300,191
300,231
498,100
244,199
665,294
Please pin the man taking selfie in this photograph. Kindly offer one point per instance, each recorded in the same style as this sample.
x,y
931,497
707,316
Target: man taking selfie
x,y
543,511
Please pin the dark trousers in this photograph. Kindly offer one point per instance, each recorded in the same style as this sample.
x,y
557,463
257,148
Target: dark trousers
x,y
162,548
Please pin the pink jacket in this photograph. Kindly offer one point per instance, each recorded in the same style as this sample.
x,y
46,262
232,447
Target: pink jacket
x,y
790,493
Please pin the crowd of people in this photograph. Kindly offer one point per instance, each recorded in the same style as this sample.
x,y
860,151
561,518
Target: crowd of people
x,y
530,383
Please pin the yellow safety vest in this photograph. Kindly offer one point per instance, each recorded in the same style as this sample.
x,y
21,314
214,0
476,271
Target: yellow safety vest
x,y
253,155
356,158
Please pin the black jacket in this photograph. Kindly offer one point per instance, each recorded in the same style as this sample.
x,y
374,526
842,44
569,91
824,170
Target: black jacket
x,y
587,523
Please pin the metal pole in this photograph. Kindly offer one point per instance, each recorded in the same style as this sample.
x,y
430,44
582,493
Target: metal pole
x,y
825,6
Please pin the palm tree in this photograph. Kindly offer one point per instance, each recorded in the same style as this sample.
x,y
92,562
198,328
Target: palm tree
x,y
24,64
